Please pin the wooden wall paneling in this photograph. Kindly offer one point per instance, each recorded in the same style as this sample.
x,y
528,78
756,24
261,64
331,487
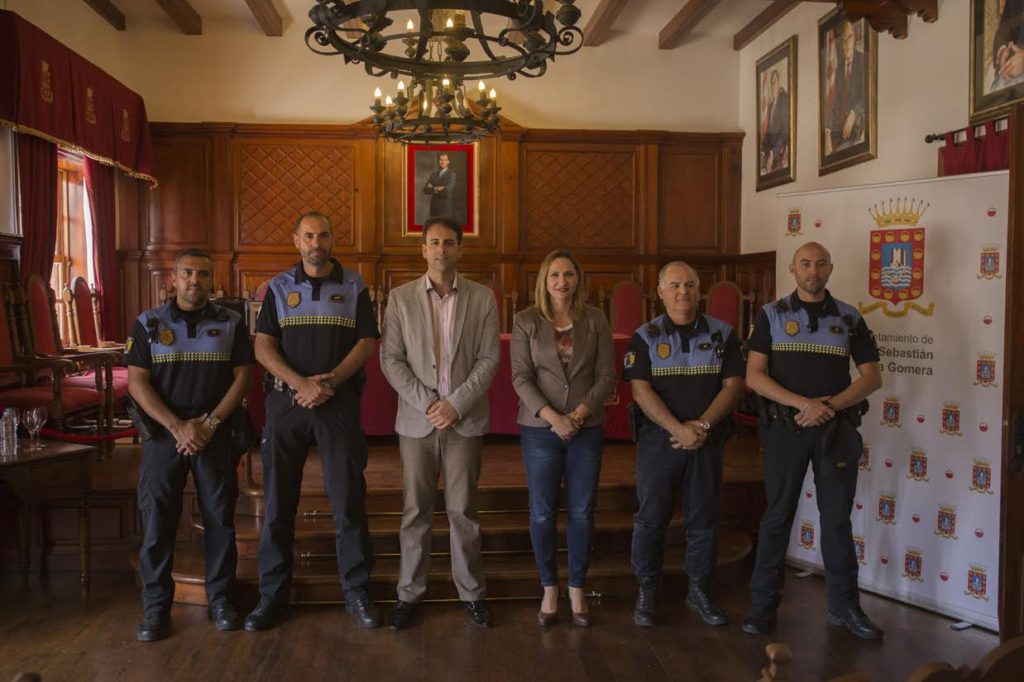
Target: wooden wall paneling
x,y
367,212
10,258
220,234
731,197
689,186
651,187
391,182
579,196
508,189
279,178
179,208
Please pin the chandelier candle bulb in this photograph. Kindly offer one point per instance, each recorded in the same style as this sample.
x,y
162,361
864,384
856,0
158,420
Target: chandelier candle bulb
x,y
410,27
376,96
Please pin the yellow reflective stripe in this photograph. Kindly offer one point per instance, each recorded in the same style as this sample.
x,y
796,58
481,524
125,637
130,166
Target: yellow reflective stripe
x,y
317,320
686,371
820,348
191,357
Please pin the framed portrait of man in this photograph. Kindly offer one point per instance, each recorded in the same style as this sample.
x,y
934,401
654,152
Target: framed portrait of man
x,y
847,92
997,57
776,116
440,181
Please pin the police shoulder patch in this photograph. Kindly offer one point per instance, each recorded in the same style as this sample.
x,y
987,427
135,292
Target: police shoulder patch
x,y
704,346
337,297
294,298
129,344
629,360
664,350
792,327
166,336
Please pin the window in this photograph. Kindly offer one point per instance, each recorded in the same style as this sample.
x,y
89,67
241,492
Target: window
x,y
73,253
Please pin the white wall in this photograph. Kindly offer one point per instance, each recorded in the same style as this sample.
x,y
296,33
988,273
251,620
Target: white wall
x,y
922,88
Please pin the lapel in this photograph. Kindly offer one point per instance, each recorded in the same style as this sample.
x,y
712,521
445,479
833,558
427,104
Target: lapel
x,y
580,339
427,317
461,307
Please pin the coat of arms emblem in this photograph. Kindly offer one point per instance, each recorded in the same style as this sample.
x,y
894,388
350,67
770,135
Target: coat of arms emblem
x,y
891,411
945,525
977,582
807,535
918,468
887,508
913,563
858,547
950,424
864,463
981,476
989,266
985,370
896,258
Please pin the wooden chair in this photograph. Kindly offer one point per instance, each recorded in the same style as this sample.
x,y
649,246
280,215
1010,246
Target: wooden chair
x,y
38,382
725,302
627,308
83,310
41,339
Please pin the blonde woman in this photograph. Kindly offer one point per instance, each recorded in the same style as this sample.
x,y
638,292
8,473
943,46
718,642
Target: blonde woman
x,y
563,369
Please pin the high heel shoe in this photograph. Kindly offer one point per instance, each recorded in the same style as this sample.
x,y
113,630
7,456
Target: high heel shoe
x,y
545,619
581,619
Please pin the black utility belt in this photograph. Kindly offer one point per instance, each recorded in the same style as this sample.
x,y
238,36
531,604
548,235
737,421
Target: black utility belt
x,y
771,411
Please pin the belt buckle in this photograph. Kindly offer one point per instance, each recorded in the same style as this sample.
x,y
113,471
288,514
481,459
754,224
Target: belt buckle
x,y
278,385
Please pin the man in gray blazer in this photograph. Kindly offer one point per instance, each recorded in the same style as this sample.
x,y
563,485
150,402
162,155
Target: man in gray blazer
x,y
440,352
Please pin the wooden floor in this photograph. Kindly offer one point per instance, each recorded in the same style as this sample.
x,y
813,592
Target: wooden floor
x,y
44,627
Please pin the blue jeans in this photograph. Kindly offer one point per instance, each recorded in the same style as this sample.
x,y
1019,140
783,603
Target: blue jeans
x,y
548,459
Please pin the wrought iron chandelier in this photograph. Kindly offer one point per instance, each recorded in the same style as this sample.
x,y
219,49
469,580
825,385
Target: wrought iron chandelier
x,y
460,39
457,41
435,111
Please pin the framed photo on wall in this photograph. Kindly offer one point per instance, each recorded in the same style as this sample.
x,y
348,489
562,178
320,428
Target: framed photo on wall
x,y
847,92
440,181
997,57
776,116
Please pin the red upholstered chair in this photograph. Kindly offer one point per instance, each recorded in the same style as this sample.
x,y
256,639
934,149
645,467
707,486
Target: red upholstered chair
x,y
725,302
627,308
84,313
41,339
37,382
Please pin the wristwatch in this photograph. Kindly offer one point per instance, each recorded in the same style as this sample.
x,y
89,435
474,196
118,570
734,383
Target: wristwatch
x,y
213,422
704,425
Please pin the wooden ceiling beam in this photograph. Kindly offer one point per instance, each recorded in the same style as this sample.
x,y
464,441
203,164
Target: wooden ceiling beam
x,y
268,17
684,22
599,27
107,10
183,15
762,22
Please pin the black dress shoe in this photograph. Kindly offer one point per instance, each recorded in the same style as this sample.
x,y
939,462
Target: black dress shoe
x,y
698,601
364,610
265,616
478,613
646,608
154,627
225,616
402,615
759,622
856,621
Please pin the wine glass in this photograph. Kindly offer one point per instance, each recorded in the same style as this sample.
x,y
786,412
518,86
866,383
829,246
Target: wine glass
x,y
33,419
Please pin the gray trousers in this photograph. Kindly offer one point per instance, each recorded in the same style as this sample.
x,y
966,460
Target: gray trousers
x,y
457,459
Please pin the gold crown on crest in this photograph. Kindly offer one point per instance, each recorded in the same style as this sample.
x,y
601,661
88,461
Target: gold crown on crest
x,y
950,405
978,568
914,551
898,212
947,507
982,461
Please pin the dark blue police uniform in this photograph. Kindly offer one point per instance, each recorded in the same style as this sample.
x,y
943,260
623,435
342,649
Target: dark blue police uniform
x,y
685,366
317,322
809,348
191,356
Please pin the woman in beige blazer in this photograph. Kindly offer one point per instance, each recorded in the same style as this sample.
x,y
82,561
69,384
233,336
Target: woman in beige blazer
x,y
563,369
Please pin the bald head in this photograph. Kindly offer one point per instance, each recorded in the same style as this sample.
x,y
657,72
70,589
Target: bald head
x,y
677,264
812,250
811,268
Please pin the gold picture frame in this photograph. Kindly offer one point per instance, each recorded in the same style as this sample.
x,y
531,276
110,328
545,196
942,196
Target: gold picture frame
x,y
847,92
997,58
776,85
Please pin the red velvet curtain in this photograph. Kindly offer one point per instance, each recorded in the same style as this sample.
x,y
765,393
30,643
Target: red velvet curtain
x,y
974,154
99,187
37,185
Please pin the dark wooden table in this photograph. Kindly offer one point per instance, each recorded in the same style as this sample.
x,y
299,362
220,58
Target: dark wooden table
x,y
57,471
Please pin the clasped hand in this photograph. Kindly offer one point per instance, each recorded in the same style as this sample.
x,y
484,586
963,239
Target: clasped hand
x,y
313,391
442,414
564,427
191,435
689,436
814,413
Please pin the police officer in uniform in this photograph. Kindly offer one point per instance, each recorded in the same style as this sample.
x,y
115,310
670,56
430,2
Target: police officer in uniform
x,y
799,363
686,373
188,370
314,334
